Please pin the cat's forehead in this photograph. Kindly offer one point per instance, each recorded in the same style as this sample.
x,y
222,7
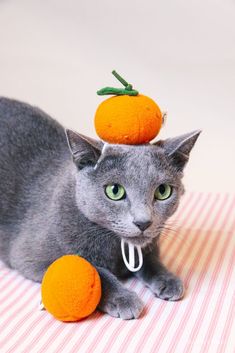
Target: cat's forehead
x,y
141,161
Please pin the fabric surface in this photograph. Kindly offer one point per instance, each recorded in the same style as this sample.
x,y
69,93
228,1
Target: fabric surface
x,y
200,249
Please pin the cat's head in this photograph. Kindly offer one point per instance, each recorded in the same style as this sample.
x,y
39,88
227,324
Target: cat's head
x,y
130,190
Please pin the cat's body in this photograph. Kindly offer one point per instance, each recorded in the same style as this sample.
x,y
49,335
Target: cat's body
x,y
52,204
39,219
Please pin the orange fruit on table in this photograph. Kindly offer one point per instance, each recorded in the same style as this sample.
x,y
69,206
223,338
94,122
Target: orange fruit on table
x,y
71,288
128,119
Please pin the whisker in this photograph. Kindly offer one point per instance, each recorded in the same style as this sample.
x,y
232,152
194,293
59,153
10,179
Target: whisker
x,y
177,237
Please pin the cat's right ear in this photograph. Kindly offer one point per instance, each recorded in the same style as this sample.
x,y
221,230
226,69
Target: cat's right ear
x,y
179,148
85,150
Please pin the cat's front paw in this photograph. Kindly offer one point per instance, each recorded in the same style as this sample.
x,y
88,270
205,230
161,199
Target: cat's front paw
x,y
125,305
168,287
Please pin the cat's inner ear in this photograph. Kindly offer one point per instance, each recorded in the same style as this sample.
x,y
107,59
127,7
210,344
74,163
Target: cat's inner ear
x,y
85,150
178,148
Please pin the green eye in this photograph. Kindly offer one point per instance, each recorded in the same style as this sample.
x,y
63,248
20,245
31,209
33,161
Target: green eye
x,y
163,192
115,192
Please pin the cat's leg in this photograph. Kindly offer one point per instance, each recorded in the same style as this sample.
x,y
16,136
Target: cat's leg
x,y
163,284
117,300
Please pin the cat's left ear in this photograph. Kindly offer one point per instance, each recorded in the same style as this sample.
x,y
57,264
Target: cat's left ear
x,y
178,148
85,150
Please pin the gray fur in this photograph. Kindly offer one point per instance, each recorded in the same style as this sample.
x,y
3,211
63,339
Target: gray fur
x,y
53,202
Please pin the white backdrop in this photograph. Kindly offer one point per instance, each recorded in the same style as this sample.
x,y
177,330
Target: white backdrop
x,y
57,53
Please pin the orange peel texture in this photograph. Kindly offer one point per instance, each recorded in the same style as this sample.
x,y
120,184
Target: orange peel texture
x,y
128,119
71,288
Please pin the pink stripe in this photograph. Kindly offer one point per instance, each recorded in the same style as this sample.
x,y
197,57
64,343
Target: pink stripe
x,y
38,336
4,272
48,325
188,310
227,327
59,327
216,314
14,299
139,323
31,326
208,295
11,290
10,280
99,334
163,305
20,322
110,320
56,333
122,324
94,318
7,283
220,300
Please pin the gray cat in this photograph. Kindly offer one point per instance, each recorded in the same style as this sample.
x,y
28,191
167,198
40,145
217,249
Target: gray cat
x,y
64,193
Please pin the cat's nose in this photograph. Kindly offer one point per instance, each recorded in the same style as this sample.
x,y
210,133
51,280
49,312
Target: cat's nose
x,y
142,225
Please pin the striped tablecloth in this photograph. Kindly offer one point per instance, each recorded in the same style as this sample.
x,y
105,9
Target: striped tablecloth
x,y
201,252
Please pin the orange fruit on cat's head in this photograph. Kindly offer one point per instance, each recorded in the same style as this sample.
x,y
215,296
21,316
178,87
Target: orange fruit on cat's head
x,y
128,119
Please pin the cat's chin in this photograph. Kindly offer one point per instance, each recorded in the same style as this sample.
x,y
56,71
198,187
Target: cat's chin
x,y
141,240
